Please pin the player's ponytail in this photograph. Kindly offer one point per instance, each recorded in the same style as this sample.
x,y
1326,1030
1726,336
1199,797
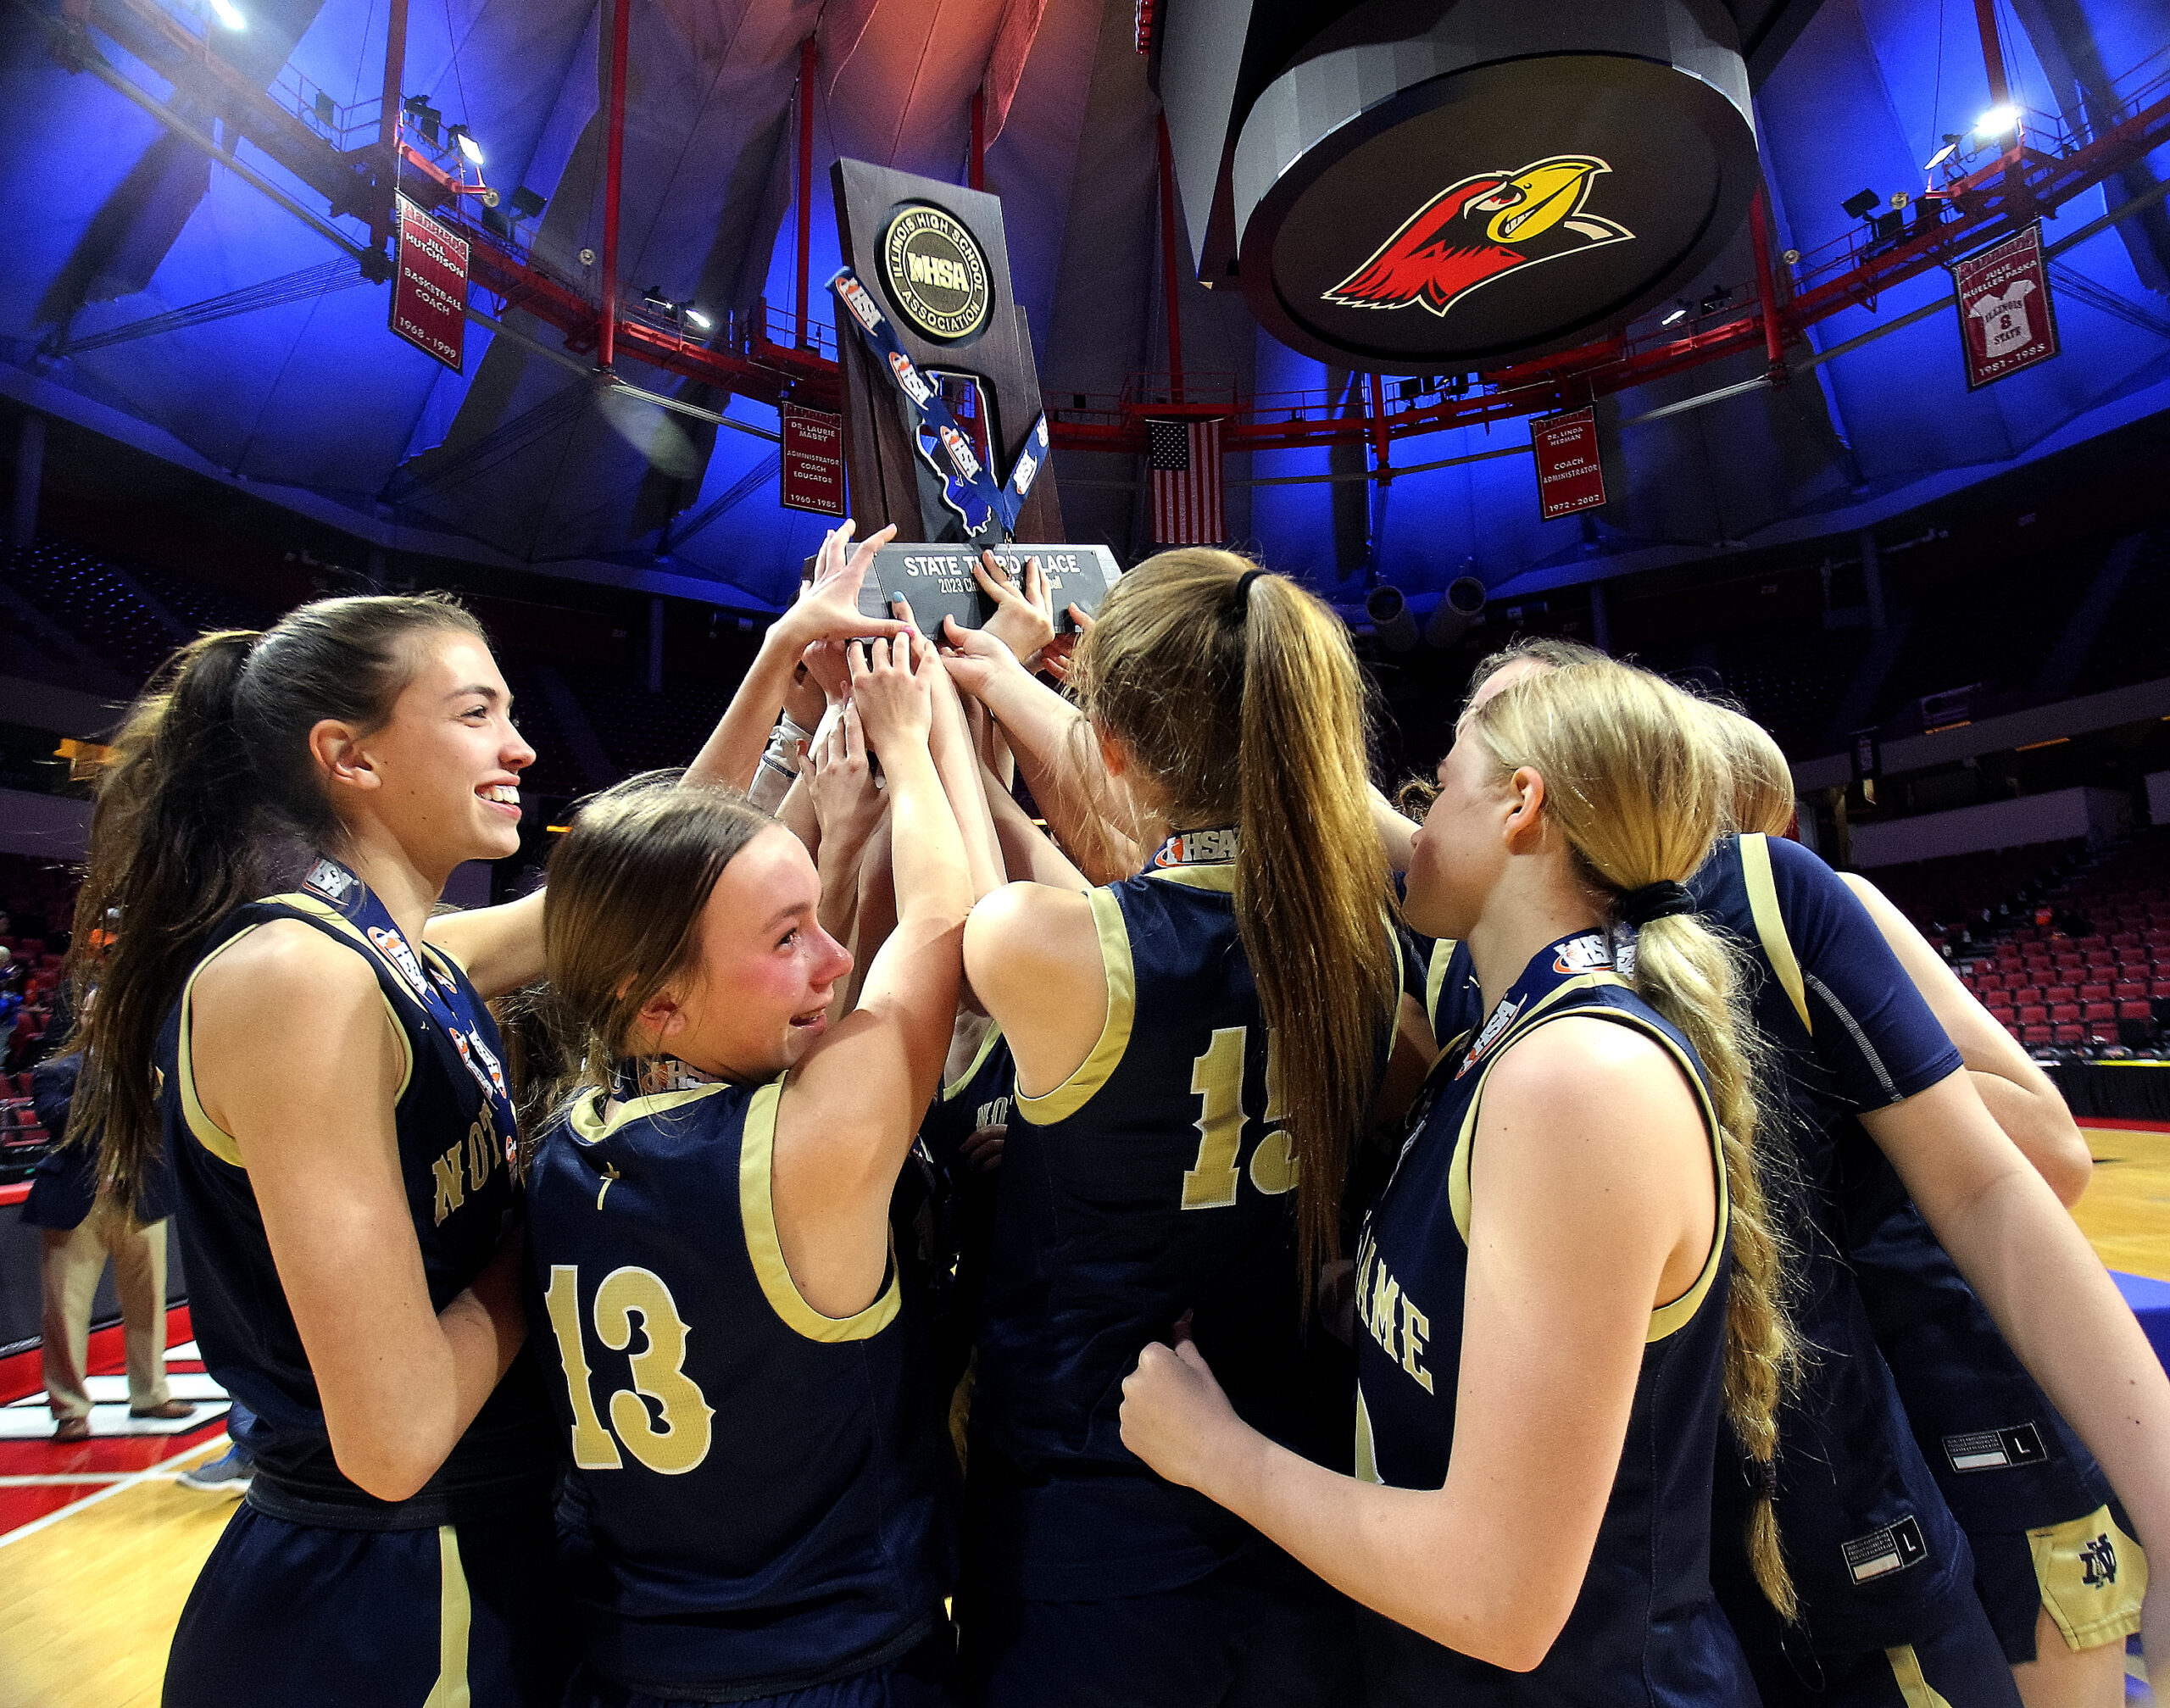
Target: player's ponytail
x,y
211,794
1638,783
1238,695
1310,878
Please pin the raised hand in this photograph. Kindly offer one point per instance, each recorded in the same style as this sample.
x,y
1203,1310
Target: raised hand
x,y
1023,620
846,804
892,686
828,605
974,657
1055,657
825,666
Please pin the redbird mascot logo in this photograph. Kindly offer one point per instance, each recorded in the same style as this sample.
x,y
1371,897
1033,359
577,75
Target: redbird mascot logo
x,y
1480,229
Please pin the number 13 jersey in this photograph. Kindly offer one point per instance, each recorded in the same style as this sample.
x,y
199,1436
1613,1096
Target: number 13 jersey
x,y
1155,1182
757,1503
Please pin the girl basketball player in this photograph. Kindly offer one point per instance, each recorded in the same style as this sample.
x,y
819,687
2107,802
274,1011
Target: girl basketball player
x,y
329,1088
1196,1049
1571,1264
2006,1463
770,1518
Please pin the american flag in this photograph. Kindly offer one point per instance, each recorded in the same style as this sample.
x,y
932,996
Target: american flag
x,y
1184,459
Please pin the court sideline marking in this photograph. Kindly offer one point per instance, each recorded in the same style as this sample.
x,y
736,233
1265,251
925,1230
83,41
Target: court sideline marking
x,y
164,1468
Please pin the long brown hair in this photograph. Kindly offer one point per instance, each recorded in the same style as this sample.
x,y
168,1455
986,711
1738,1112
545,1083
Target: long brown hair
x,y
621,913
213,793
1639,786
1243,704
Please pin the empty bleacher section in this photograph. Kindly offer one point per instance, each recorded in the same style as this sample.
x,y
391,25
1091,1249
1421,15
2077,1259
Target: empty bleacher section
x,y
641,731
2133,645
98,603
2069,949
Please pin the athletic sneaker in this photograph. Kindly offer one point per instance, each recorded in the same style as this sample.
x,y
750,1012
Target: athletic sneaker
x,y
228,1474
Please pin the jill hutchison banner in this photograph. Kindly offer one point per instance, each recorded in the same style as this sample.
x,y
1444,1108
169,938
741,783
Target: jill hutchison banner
x,y
429,293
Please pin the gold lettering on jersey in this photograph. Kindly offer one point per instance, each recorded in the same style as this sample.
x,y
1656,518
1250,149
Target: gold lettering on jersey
x,y
995,1113
452,1193
1390,1316
483,1149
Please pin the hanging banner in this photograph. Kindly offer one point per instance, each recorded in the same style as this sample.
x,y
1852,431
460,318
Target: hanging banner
x,y
813,460
429,291
1569,474
2005,320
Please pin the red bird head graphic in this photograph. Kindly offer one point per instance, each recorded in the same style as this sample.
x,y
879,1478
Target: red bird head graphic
x,y
1474,230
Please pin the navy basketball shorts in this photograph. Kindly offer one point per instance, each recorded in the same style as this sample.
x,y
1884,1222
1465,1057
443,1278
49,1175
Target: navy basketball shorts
x,y
2088,1574
924,1677
1960,1665
285,1614
1259,1631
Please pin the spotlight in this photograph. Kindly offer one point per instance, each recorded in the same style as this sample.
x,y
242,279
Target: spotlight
x,y
526,203
459,136
424,117
1679,313
1721,298
1941,155
695,318
655,298
1997,121
229,14
1858,207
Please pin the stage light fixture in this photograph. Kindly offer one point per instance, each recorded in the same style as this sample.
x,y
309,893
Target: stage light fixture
x,y
229,14
1679,313
460,138
1997,121
1721,298
1941,155
424,117
526,203
652,298
1858,207
695,318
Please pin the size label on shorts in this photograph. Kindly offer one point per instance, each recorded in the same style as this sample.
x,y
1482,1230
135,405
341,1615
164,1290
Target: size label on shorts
x,y
1883,1552
1995,1449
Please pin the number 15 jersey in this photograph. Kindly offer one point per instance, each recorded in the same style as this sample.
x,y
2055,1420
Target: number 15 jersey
x,y
1155,1182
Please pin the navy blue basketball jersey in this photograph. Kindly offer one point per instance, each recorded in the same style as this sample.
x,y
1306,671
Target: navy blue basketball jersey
x,y
2002,1454
1155,1182
454,1130
1644,1629
1876,1555
757,1500
1454,1002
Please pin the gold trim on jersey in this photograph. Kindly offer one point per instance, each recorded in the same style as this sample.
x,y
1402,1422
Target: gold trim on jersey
x,y
589,1124
1675,1314
202,1128
1367,1456
455,1618
1915,1690
758,1211
2093,1577
1219,877
1435,979
1769,923
979,1060
1074,1093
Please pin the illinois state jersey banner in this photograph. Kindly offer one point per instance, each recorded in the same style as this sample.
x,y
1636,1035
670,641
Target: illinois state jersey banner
x,y
2005,319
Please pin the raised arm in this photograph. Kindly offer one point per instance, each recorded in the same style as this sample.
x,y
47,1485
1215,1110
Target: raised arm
x,y
297,1061
850,1108
1054,750
2020,1097
827,610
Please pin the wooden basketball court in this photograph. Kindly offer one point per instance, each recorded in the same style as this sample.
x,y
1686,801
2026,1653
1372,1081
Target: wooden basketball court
x,y
99,1546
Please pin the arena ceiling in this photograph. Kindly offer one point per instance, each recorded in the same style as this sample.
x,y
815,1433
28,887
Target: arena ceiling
x,y
113,219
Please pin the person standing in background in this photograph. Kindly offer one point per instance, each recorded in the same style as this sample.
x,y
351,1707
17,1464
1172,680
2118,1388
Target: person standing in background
x,y
79,1227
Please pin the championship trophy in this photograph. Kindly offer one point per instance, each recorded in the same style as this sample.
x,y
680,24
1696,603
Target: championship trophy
x,y
944,434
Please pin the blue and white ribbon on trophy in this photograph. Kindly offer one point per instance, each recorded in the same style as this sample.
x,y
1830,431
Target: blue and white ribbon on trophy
x,y
969,487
